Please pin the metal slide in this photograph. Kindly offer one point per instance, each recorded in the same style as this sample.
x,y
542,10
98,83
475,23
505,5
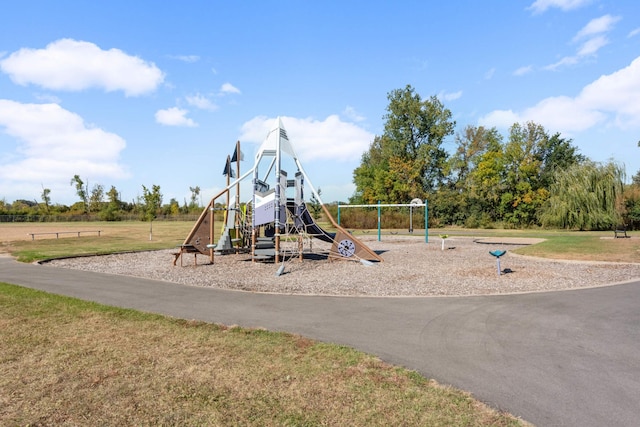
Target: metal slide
x,y
303,219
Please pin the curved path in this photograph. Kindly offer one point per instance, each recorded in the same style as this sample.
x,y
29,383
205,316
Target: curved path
x,y
555,359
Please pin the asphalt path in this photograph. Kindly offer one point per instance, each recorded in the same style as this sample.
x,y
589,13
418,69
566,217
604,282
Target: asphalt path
x,y
567,358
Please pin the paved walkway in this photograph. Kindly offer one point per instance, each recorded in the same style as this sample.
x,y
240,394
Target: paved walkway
x,y
555,359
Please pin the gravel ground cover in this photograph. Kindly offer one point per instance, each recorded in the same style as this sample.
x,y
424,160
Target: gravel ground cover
x,y
411,267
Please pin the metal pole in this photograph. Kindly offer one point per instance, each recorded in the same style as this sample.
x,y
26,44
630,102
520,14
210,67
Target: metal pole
x,y
410,219
426,222
338,213
379,221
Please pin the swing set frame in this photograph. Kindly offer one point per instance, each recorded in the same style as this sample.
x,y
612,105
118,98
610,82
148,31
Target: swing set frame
x,y
394,205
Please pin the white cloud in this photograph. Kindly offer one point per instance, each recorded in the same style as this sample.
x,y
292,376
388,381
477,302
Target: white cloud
x,y
523,70
174,116
330,139
633,33
610,100
489,74
201,102
595,40
72,65
353,115
600,25
229,88
540,6
186,58
567,60
592,46
450,96
53,145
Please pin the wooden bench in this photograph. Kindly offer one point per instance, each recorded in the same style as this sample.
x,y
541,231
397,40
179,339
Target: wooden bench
x,y
58,233
186,249
620,231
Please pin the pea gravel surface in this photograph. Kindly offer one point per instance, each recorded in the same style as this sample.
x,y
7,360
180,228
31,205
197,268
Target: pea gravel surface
x,y
411,267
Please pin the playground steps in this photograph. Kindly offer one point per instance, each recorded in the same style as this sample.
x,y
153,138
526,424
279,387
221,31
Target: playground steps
x,y
265,248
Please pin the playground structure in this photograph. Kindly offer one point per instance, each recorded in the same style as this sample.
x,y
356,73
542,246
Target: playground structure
x,y
274,222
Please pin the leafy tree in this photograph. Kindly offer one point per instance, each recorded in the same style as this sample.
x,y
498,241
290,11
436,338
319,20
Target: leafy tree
x,y
485,185
112,210
465,197
195,193
416,130
174,207
152,204
370,176
522,168
96,198
46,199
407,161
471,145
314,205
556,153
585,196
81,191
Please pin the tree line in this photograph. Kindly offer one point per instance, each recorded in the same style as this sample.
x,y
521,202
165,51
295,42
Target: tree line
x,y
528,178
94,203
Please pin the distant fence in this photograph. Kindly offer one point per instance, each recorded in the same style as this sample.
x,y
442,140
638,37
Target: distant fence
x,y
90,218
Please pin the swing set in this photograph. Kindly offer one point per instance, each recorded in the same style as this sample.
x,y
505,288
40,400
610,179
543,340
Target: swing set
x,y
415,203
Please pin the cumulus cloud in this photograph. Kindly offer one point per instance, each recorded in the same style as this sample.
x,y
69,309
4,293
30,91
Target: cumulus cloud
x,y
71,65
328,139
53,145
174,116
540,6
610,100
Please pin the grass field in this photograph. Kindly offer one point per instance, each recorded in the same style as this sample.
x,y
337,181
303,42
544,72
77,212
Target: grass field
x,y
69,362
134,235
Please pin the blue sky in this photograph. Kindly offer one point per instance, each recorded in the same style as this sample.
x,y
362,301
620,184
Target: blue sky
x,y
132,93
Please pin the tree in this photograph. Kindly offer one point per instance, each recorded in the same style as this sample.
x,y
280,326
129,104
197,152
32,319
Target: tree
x,y
556,153
81,191
466,197
96,198
416,130
195,193
152,204
471,145
407,161
585,196
111,212
314,204
46,199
